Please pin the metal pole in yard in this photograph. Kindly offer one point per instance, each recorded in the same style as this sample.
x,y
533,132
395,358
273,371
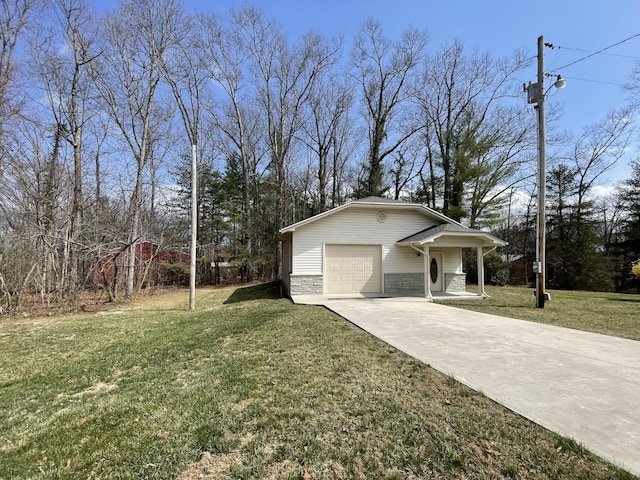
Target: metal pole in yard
x,y
194,229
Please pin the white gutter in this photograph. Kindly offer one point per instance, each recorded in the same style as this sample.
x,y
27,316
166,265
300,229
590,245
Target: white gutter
x,y
489,251
416,249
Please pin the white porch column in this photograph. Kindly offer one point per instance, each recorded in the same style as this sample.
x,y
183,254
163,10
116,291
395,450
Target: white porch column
x,y
481,291
427,277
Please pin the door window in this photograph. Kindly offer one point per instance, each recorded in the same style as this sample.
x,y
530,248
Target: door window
x,y
433,270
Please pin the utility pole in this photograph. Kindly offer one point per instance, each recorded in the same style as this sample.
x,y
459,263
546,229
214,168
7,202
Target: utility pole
x,y
536,94
542,181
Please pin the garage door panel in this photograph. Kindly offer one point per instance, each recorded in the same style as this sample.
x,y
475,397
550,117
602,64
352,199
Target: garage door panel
x,y
353,268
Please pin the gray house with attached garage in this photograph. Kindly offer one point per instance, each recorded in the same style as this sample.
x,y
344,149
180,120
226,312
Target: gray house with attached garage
x,y
376,246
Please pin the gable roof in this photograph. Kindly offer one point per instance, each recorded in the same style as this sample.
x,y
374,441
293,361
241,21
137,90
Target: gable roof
x,y
374,202
381,200
430,234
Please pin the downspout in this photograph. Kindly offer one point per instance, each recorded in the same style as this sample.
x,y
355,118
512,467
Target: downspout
x,y
489,251
481,290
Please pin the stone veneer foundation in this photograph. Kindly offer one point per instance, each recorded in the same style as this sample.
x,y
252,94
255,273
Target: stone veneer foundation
x,y
394,283
305,284
455,282
404,283
408,283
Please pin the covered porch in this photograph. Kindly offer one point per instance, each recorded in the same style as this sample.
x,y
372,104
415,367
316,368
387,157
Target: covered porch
x,y
440,237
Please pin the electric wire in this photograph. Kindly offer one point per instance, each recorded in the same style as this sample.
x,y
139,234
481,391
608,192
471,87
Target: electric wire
x,y
599,51
560,47
594,81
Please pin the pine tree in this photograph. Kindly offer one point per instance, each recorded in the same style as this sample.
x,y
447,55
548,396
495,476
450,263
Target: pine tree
x,y
630,245
575,258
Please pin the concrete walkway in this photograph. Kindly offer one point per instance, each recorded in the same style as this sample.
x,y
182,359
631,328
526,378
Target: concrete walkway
x,y
582,385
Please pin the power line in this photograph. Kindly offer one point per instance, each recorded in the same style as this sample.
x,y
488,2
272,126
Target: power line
x,y
599,51
591,51
594,81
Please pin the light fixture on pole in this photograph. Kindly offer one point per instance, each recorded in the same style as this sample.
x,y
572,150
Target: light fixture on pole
x,y
536,94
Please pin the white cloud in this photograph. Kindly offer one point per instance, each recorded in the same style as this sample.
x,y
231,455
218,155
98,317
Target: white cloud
x,y
600,191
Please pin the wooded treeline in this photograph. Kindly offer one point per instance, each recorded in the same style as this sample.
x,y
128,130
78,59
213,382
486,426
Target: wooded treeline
x,y
99,113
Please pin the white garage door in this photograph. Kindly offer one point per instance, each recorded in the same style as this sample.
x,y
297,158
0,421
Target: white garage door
x,y
353,268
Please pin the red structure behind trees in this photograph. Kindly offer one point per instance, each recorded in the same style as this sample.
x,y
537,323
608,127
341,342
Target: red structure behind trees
x,y
162,267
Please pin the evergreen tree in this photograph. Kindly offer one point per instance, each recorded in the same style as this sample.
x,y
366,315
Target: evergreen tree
x,y
630,245
575,258
561,187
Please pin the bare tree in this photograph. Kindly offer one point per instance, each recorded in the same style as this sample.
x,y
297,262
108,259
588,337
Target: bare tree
x,y
633,87
35,207
47,178
598,149
459,99
65,78
405,167
346,140
14,17
501,160
137,36
611,210
383,69
283,77
329,105
226,57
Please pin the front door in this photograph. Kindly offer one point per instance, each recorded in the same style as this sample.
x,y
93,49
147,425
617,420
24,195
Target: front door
x,y
435,272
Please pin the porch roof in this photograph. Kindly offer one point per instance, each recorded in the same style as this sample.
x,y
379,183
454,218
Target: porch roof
x,y
451,232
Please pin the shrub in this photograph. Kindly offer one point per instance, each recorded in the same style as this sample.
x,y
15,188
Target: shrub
x,y
496,269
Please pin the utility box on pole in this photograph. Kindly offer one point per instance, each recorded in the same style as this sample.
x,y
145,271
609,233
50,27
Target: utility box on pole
x,y
533,92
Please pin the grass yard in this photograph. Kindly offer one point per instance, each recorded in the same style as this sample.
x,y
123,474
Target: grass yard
x,y
249,386
614,314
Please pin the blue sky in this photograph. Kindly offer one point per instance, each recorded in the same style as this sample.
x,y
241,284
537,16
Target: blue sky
x,y
498,27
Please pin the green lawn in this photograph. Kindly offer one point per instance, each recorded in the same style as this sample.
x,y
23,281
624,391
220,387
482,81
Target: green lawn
x,y
607,313
249,386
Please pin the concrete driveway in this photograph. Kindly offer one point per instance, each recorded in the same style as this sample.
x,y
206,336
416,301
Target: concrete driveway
x,y
582,385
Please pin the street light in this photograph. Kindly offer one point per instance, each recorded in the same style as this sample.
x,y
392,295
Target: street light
x,y
536,94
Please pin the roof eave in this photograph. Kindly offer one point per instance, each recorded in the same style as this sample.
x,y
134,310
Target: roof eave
x,y
401,205
293,226
495,241
416,206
